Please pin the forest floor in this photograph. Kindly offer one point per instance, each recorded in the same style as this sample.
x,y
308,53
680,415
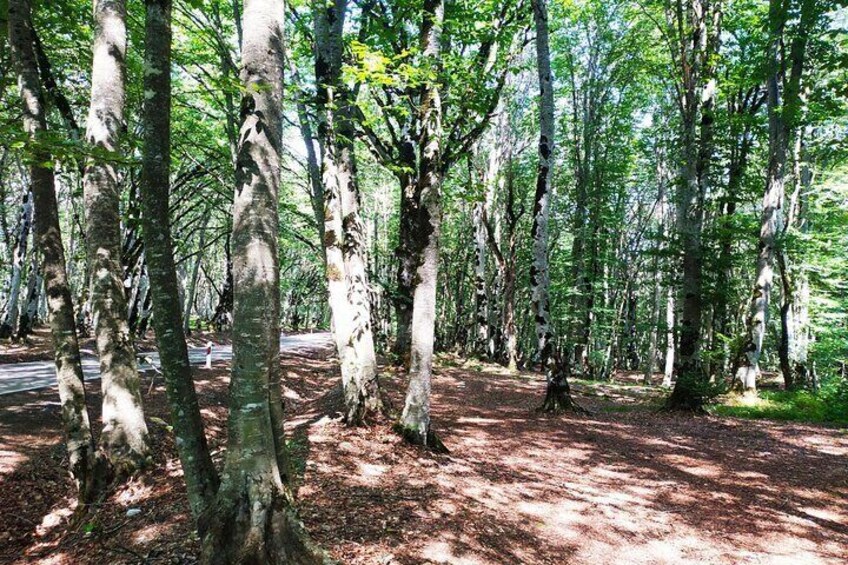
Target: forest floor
x,y
626,484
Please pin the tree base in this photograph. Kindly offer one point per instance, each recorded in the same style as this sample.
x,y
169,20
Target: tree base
x,y
559,402
684,400
257,526
428,441
558,394
683,405
364,411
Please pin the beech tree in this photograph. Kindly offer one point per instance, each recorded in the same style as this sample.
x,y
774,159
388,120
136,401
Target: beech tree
x,y
253,519
123,441
696,30
343,231
200,474
452,188
784,101
49,240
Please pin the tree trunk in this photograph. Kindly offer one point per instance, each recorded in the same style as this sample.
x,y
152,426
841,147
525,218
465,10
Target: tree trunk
x,y
668,370
656,320
253,519
364,398
124,440
481,306
794,309
223,318
29,313
697,105
344,232
199,471
10,317
744,106
406,267
782,123
558,393
194,277
425,226
539,274
48,239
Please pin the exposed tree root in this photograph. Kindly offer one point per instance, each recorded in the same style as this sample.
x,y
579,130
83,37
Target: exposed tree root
x,y
429,441
258,525
558,397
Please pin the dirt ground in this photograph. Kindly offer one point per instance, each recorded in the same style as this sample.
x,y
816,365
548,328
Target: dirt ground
x,y
623,485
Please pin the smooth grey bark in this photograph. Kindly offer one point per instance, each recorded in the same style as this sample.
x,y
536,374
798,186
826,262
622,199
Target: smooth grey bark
x,y
253,518
539,273
481,297
194,276
415,420
506,259
795,297
783,103
29,313
124,439
200,475
10,317
558,392
48,239
344,232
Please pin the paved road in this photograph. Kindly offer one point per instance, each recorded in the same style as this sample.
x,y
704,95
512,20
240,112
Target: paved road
x,y
19,377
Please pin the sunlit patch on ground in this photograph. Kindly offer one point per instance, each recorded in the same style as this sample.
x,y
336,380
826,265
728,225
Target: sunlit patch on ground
x,y
629,486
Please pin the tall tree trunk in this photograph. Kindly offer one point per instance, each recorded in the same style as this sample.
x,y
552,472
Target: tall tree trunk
x,y
783,118
510,331
344,232
194,276
659,216
425,224
48,239
364,398
506,262
668,369
794,308
656,321
124,440
697,66
406,264
253,519
29,313
771,225
481,306
10,316
558,393
199,471
539,274
743,105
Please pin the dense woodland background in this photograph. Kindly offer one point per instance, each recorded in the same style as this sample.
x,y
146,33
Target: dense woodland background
x,y
684,213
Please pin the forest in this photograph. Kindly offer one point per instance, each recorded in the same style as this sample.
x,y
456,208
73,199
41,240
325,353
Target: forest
x,y
423,281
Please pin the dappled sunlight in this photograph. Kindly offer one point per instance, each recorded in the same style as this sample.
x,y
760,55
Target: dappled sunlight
x,y
517,487
57,517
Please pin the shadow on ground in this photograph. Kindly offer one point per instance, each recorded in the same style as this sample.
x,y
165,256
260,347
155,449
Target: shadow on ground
x,y
619,486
